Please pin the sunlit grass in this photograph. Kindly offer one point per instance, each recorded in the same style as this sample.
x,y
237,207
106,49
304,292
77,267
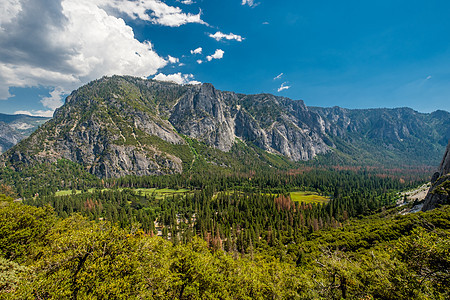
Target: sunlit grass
x,y
158,193
308,197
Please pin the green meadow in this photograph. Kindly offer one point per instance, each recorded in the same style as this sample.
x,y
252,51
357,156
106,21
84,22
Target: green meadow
x,y
158,193
308,197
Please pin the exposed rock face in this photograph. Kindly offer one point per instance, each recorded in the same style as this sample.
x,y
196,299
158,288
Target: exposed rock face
x,y
8,137
444,167
203,114
438,193
275,124
119,126
14,128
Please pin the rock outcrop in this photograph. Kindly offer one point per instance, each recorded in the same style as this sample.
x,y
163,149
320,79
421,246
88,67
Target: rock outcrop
x,y
440,184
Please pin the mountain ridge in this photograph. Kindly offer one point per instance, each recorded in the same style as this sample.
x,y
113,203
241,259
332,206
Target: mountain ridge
x,y
122,125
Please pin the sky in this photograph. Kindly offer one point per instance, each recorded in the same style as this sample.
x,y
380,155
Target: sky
x,y
352,53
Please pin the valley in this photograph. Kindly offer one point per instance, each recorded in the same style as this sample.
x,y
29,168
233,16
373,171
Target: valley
x,y
145,189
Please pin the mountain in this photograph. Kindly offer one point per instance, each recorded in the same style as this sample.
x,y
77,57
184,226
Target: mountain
x,y
123,125
439,192
14,128
399,134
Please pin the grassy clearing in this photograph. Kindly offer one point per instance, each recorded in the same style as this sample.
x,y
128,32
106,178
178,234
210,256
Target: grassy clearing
x,y
161,193
158,193
308,197
70,192
228,192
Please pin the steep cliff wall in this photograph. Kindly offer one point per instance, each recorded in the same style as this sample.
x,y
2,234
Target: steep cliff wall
x,y
440,184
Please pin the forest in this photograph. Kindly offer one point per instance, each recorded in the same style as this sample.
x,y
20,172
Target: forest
x,y
239,236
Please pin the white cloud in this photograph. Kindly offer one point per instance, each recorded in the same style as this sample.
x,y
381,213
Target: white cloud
x,y
177,78
187,2
161,13
278,76
173,60
283,87
55,99
197,51
429,77
217,55
265,23
35,113
250,3
26,76
73,42
231,36
199,61
9,10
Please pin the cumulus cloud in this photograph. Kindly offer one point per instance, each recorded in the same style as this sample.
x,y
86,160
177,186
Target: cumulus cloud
x,y
72,42
217,55
250,3
265,23
429,77
283,87
35,113
51,102
173,60
187,2
161,13
54,101
231,36
177,78
278,76
199,61
197,51
9,10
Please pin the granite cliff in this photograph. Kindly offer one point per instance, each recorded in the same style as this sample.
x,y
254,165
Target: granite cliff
x,y
439,192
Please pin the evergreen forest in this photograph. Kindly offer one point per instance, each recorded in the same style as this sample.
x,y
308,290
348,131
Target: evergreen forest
x,y
210,235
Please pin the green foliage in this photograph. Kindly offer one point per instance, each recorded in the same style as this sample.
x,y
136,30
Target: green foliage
x,y
22,229
443,188
427,253
11,274
98,260
46,178
82,259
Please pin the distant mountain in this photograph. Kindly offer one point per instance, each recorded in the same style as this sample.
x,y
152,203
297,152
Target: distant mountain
x,y
14,128
383,135
117,126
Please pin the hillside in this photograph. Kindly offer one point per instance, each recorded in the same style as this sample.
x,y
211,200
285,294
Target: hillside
x,y
118,126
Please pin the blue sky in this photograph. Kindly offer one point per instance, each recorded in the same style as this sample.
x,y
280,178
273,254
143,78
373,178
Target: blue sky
x,y
354,54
